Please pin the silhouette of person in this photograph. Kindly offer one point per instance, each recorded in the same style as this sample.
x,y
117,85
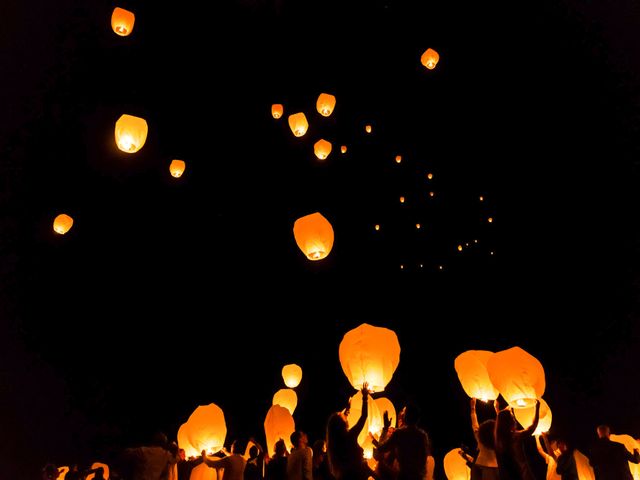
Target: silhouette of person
x,y
321,469
300,463
233,464
566,461
276,468
550,456
609,459
485,464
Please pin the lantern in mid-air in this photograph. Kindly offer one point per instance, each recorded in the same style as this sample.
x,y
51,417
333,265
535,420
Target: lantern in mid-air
x,y
177,168
314,236
322,149
518,376
343,149
525,417
369,354
291,374
373,423
105,471
368,128
62,223
398,158
206,429
277,110
298,124
122,21
278,424
184,443
455,467
471,367
287,398
325,104
131,133
430,58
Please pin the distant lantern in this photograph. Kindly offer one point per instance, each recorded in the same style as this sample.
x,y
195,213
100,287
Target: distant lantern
x,y
291,374
525,417
398,158
177,168
367,128
490,219
377,227
105,471
460,247
471,367
481,198
432,194
343,149
384,404
314,236
206,429
322,149
440,267
401,267
372,425
369,354
62,472
278,424
277,110
402,199
430,58
518,376
325,104
62,223
455,467
418,226
429,176
298,124
287,398
131,133
122,21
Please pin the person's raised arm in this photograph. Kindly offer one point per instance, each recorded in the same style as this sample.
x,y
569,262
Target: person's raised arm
x,y
541,451
357,428
633,457
474,416
532,428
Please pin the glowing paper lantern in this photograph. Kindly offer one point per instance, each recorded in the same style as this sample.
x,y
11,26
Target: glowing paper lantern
x,y
207,429
455,467
377,227
298,124
630,444
177,168
471,367
402,199
430,58
105,468
122,21
367,128
384,404
314,236
398,158
343,149
287,398
291,374
278,424
525,417
583,467
369,354
62,472
277,110
131,133
430,176
204,472
325,104
322,149
373,423
432,194
518,376
62,223
183,441
490,219
418,226
431,467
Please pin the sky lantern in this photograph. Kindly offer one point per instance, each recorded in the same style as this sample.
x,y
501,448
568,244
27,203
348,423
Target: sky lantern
x,y
384,404
105,469
203,472
278,424
418,226
343,149
377,227
62,472
298,124
518,376
583,467
430,176
122,21
369,354
455,467
291,374
525,417
373,423
490,219
206,429
367,128
183,441
62,223
177,168
481,198
430,58
402,199
277,110
131,133
322,149
314,236
398,158
432,194
630,444
471,367
325,104
287,398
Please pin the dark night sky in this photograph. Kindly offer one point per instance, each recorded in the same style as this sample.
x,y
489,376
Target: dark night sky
x,y
167,294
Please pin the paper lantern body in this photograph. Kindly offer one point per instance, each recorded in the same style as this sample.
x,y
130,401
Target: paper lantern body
x,y
343,149
430,58
455,467
298,124
325,104
585,471
291,374
278,424
62,223
277,110
131,133
630,444
122,21
287,398
207,429
369,354
177,168
525,417
314,236
203,472
374,418
322,149
183,441
62,472
105,468
518,376
471,367
384,404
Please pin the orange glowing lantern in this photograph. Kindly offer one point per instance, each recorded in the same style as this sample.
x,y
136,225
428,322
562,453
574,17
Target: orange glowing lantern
x,y
62,472
105,471
343,149
291,374
367,128
369,354
206,429
430,176
62,223
314,236
373,423
177,168
325,104
377,227
322,149
518,376
298,124
385,405
525,417
277,110
122,21
459,248
430,58
402,199
131,133
183,441
490,219
204,472
455,467
481,198
583,467
278,424
417,226
432,194
398,158
287,398
471,367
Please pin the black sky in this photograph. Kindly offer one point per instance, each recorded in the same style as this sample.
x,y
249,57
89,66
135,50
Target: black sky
x,y
167,294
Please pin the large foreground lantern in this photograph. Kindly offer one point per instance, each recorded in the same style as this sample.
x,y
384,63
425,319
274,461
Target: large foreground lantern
x,y
122,21
430,58
298,124
184,443
203,472
471,367
314,236
525,417
322,149
291,374
373,423
369,354
206,429
278,424
455,467
131,133
518,376
62,223
325,104
583,467
287,398
177,168
277,110
384,404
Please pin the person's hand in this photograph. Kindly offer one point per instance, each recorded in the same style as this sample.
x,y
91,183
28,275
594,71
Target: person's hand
x,y
386,421
365,391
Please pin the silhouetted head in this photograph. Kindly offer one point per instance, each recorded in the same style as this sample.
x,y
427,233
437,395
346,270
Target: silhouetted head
x,y
182,454
336,426
253,452
603,431
280,448
411,414
318,448
486,433
159,440
50,472
298,439
238,446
